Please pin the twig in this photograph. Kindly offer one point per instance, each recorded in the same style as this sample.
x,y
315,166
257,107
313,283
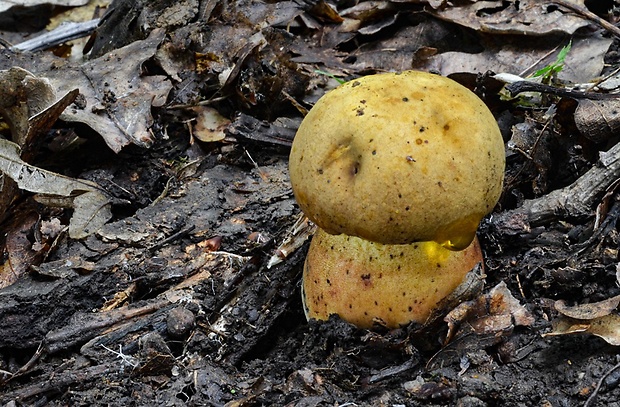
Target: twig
x,y
392,371
172,238
64,33
87,326
130,360
592,397
574,201
588,15
528,86
56,383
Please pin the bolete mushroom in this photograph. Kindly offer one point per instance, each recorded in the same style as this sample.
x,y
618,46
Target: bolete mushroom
x,y
397,170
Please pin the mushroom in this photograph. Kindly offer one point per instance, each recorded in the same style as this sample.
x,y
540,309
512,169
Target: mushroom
x,y
366,282
398,158
396,170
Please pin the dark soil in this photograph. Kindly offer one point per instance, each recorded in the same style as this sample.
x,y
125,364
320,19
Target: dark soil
x,y
172,302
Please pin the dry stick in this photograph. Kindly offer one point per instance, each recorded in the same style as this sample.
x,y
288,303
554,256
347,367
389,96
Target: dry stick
x,y
592,397
573,201
528,86
56,383
87,326
64,33
587,14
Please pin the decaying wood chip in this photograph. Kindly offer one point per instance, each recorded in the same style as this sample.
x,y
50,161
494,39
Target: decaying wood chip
x,y
576,201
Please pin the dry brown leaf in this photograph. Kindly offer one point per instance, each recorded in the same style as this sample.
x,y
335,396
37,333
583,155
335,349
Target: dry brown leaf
x,y
588,311
29,104
210,124
597,318
583,63
495,312
294,238
30,107
20,254
91,205
607,327
118,97
529,17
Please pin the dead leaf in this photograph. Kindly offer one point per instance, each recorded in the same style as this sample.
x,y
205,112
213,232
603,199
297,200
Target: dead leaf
x,y
495,312
597,318
583,63
210,124
529,17
91,205
29,104
588,311
118,97
326,12
20,255
607,328
65,267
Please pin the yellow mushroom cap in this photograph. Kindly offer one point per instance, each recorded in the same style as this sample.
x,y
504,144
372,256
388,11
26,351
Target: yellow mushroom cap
x,y
399,158
364,282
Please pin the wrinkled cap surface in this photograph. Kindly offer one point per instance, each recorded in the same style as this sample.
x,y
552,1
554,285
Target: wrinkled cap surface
x,y
399,158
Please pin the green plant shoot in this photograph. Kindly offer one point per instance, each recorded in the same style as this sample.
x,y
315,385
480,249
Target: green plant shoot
x,y
331,75
550,71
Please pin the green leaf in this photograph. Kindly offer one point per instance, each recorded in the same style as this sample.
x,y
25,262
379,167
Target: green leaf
x,y
553,69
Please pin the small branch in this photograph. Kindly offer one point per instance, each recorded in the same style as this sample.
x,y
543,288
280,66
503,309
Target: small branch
x,y
588,15
64,33
529,86
56,383
573,202
592,397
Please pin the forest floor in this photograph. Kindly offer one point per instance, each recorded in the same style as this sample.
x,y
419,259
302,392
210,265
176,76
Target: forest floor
x,y
162,280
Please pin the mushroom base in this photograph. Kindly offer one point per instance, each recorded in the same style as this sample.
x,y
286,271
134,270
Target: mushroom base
x,y
391,285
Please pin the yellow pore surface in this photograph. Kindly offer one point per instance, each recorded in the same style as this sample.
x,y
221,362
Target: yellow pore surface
x,y
362,281
399,158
